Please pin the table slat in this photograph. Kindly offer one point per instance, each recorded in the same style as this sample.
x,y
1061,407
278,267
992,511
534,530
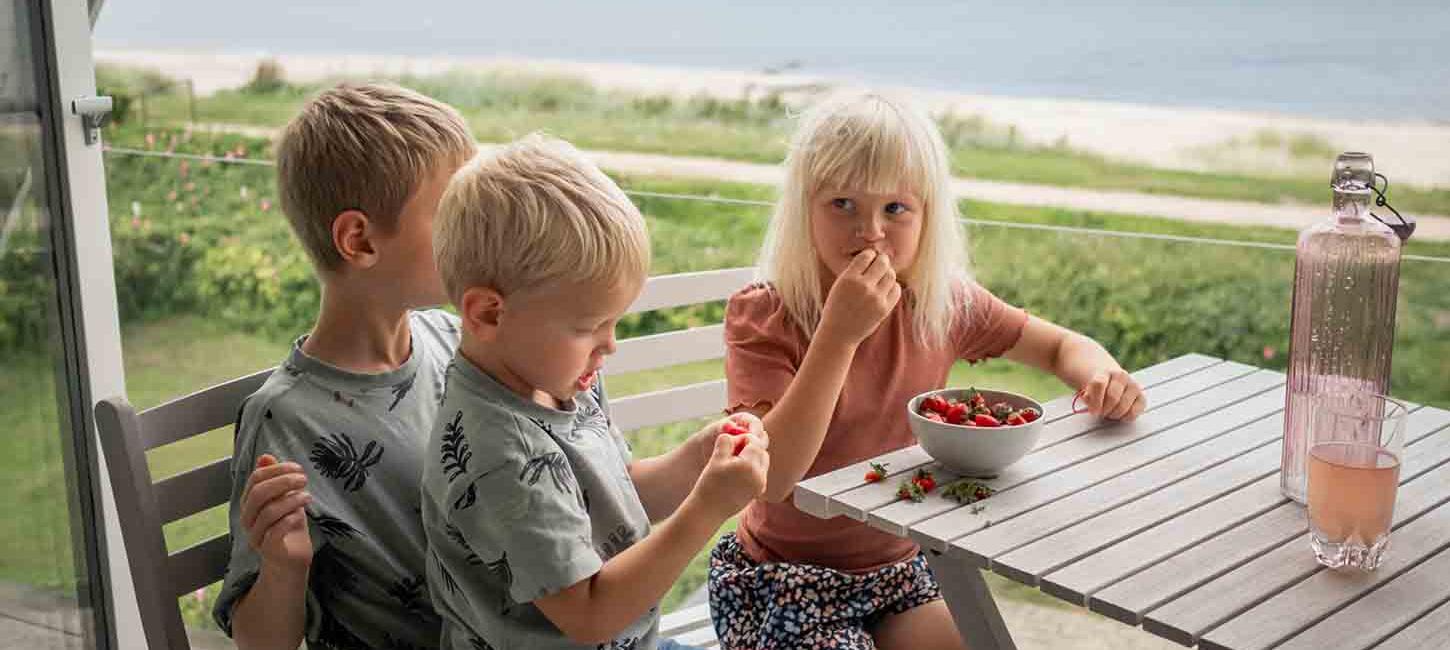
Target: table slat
x,y
937,532
1433,629
1190,616
1048,537
814,495
1326,592
1378,615
1149,587
862,498
1027,563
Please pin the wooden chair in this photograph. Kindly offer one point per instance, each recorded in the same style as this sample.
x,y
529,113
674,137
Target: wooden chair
x,y
145,507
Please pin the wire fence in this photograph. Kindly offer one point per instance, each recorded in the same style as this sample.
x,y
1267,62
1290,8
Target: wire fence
x,y
1073,230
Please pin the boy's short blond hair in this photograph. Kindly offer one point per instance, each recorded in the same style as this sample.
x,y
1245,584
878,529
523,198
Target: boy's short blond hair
x,y
365,147
533,213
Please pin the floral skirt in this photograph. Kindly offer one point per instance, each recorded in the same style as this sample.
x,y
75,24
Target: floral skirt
x,y
787,606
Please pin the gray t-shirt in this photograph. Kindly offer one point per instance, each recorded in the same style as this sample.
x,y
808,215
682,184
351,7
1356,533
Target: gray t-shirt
x,y
361,440
521,501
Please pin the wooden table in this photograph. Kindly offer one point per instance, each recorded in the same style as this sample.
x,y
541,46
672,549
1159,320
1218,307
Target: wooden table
x,y
1174,522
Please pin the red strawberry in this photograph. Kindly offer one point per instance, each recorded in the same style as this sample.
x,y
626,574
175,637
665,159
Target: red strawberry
x,y
740,444
1016,419
1001,410
934,416
1030,414
734,428
934,404
924,480
977,400
876,473
958,414
910,490
984,420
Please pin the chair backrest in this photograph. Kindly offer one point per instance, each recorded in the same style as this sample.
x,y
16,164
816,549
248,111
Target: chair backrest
x,y
145,507
684,346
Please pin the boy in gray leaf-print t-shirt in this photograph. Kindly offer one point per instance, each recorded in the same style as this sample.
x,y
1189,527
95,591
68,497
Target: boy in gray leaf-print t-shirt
x,y
360,439
546,497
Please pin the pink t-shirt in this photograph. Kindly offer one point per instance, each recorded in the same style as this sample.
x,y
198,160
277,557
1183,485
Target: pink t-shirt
x,y
764,349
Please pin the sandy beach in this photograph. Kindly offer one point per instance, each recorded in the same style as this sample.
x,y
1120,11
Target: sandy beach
x,y
1196,139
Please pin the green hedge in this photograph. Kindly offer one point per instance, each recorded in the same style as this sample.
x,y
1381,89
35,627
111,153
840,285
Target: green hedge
x,y
209,240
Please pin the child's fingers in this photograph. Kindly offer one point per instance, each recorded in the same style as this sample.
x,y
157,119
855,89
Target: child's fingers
x,y
1139,405
275,511
860,262
724,448
292,521
261,494
268,472
1125,402
1112,395
1092,394
879,268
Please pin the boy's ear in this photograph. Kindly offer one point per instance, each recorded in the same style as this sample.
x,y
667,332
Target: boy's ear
x,y
352,236
481,309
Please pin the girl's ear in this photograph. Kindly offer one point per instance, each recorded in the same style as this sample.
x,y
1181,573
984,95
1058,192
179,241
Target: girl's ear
x,y
481,309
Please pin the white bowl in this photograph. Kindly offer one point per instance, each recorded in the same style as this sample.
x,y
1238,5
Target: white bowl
x,y
978,452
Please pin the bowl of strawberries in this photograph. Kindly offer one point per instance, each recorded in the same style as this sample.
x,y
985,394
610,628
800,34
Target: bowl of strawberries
x,y
974,432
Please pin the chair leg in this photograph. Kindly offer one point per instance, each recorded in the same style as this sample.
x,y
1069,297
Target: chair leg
x,y
971,603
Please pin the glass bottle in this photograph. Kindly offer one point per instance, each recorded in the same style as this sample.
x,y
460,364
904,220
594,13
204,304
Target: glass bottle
x,y
1342,327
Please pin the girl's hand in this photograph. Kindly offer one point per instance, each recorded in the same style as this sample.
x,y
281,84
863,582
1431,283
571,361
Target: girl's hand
x,y
860,298
1115,395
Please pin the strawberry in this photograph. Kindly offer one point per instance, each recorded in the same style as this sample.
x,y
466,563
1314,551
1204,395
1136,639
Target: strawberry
x,y
984,420
740,444
934,404
1001,410
734,428
934,416
876,473
958,414
1030,414
924,480
910,490
977,400
1016,419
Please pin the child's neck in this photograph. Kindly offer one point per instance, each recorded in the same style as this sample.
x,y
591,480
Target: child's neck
x,y
481,355
356,333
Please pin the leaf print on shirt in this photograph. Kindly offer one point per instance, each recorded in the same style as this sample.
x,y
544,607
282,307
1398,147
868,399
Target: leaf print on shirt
x,y
448,582
336,457
479,644
468,498
621,644
390,643
409,594
334,636
330,577
331,526
337,396
557,466
400,390
457,536
500,569
622,537
456,453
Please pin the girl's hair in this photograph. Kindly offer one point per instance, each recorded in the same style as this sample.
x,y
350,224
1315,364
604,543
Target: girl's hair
x,y
871,142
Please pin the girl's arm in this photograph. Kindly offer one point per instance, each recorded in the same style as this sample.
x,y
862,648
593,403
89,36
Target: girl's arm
x,y
859,299
1083,364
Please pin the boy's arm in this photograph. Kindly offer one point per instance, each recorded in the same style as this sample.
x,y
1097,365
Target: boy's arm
x,y
272,614
594,610
663,481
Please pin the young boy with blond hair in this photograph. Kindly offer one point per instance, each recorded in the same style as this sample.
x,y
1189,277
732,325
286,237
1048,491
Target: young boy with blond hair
x,y
538,519
327,541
